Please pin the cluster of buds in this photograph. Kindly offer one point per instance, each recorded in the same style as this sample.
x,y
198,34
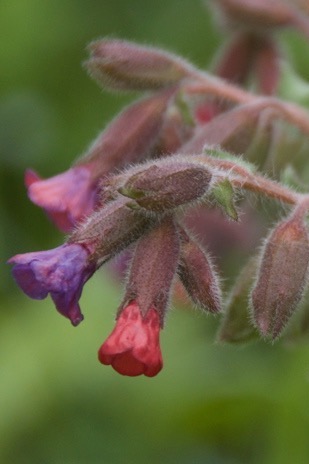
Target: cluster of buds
x,y
157,163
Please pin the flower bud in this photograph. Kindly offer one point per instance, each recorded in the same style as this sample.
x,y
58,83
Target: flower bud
x,y
233,130
175,132
282,276
197,274
153,268
166,184
131,136
233,63
111,229
251,53
267,67
121,65
236,326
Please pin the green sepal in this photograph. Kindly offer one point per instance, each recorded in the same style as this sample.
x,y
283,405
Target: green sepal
x,y
223,194
131,192
184,109
290,178
236,326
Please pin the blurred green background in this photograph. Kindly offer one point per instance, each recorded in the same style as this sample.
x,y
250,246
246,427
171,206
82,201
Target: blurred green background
x,y
58,405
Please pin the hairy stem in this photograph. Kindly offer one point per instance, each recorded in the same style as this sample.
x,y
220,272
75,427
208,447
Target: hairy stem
x,y
207,84
244,179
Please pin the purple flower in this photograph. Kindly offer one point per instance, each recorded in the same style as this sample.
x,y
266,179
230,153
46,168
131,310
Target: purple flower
x,y
62,272
67,197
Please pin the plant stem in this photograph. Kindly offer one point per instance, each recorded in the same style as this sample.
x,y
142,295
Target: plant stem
x,y
206,84
244,179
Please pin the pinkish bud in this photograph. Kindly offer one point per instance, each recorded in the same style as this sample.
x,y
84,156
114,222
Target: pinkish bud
x,y
175,132
197,273
235,59
232,130
110,229
121,65
131,136
240,130
250,53
267,67
168,183
153,269
282,276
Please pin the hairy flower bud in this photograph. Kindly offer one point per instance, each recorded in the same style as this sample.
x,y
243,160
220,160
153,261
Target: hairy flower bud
x,y
267,67
133,346
282,275
197,274
175,132
234,60
232,130
111,229
121,65
248,52
131,135
166,184
153,269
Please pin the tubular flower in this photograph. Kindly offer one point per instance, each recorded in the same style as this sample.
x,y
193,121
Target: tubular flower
x,y
71,196
67,197
133,347
61,272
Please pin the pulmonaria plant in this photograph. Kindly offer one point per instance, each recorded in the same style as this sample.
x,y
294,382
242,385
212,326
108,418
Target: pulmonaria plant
x,y
175,174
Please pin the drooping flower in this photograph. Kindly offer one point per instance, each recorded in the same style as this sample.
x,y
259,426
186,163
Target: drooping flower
x,y
73,195
67,197
61,272
133,347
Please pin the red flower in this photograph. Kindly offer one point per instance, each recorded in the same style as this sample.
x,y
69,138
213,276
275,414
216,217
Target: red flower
x,y
133,347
